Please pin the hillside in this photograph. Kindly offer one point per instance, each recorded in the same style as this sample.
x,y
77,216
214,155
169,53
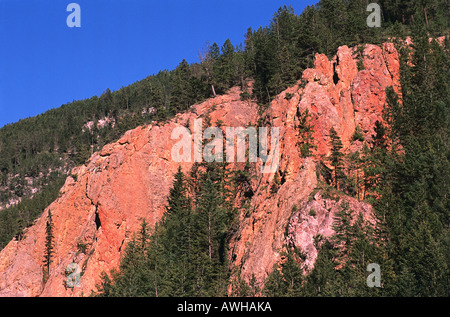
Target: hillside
x,y
104,201
362,173
36,154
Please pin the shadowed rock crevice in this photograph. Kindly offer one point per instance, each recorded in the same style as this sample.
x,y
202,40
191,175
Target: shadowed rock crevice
x,y
335,74
98,224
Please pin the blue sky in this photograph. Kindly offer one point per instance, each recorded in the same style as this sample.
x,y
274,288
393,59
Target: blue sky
x,y
44,63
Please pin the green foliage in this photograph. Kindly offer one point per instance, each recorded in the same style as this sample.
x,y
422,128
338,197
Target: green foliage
x,y
305,131
64,137
276,183
245,95
340,268
358,134
286,280
288,96
48,251
360,65
186,254
414,206
404,170
336,158
242,288
15,220
432,14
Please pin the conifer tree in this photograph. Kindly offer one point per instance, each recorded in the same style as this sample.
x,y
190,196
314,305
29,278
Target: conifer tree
x,y
355,180
286,280
212,220
336,158
181,93
343,230
413,207
177,238
323,279
134,278
305,129
48,251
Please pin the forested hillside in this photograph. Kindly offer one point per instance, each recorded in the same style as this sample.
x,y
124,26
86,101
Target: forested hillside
x,y
407,165
404,171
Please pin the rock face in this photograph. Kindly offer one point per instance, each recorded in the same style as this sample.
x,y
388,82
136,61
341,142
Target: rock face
x,y
103,202
336,95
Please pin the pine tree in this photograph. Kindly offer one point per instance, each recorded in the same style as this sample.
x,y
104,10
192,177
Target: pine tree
x,y
306,139
212,220
355,180
48,251
342,227
178,237
208,59
413,207
134,278
336,158
181,94
323,279
287,279
241,288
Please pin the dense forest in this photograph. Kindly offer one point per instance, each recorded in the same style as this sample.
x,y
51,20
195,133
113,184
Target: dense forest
x,y
407,187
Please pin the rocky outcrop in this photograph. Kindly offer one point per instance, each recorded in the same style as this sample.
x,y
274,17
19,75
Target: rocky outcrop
x,y
103,202
336,95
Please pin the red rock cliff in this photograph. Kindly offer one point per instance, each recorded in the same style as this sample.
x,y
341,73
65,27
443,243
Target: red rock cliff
x,y
104,201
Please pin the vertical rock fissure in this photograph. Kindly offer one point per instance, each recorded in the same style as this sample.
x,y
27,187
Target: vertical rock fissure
x,y
97,221
98,224
335,74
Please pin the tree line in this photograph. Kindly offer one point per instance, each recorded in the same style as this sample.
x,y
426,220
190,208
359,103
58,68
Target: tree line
x,y
403,172
405,178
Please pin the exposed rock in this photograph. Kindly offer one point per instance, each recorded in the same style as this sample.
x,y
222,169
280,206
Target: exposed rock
x,y
316,217
338,96
96,214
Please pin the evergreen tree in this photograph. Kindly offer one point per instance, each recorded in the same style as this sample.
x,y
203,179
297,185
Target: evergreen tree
x,y
323,279
177,237
336,158
405,166
355,180
208,60
134,278
212,220
48,251
306,139
342,227
413,207
286,280
374,160
180,96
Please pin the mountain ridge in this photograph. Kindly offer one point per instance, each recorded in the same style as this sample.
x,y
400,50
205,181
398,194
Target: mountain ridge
x,y
103,201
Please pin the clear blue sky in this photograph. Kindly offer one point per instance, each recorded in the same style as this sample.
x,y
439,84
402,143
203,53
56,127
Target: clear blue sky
x,y
44,63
